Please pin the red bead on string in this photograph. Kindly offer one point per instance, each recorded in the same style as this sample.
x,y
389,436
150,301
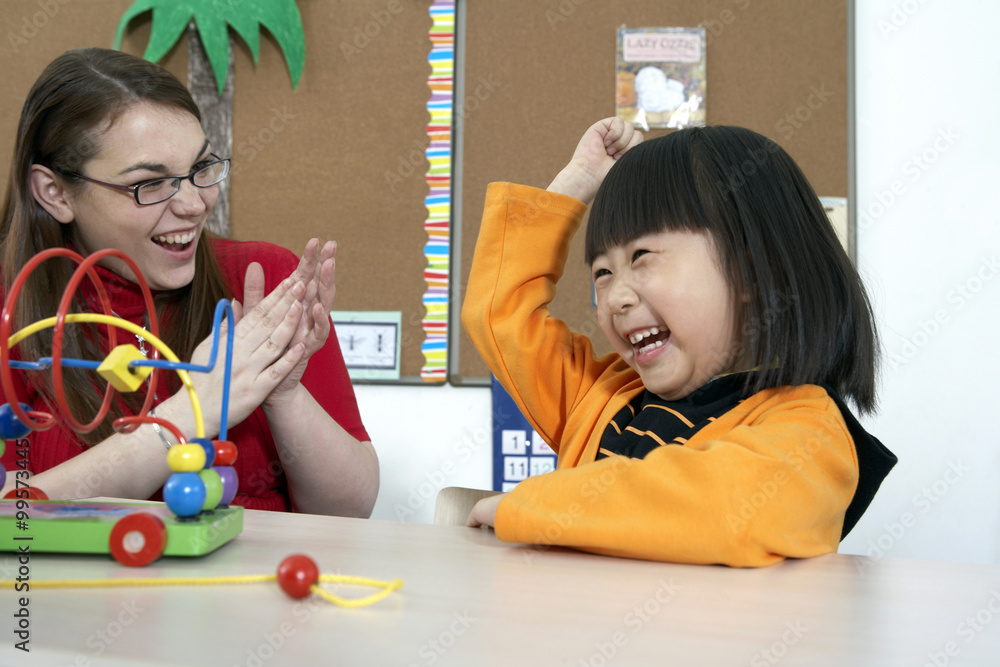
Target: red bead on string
x,y
297,574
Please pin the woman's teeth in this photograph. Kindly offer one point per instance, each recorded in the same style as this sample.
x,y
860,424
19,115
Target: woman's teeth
x,y
175,238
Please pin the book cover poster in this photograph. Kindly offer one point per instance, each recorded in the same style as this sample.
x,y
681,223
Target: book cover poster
x,y
661,77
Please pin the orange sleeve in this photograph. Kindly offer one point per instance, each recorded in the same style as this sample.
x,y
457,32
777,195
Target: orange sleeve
x,y
520,254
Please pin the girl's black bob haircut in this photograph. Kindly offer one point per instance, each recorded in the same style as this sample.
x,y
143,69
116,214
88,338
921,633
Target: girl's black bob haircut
x,y
803,316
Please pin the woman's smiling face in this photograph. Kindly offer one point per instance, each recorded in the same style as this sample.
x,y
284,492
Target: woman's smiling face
x,y
147,141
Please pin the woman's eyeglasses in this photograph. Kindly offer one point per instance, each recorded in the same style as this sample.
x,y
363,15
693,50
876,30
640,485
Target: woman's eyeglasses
x,y
157,190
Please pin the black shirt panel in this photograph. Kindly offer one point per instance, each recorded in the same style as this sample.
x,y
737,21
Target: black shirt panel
x,y
649,421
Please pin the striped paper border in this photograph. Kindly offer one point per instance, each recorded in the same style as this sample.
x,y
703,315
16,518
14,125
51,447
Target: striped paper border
x,y
438,201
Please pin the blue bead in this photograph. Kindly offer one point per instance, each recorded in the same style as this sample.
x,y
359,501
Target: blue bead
x,y
209,449
184,493
11,427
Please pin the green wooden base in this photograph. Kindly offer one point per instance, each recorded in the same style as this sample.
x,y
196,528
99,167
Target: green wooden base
x,y
83,527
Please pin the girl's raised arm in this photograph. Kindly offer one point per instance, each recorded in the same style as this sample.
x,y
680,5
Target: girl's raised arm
x,y
601,145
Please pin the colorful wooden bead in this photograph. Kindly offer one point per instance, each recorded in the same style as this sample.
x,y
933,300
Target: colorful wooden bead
x,y
297,574
225,453
115,369
213,488
186,458
11,427
230,483
209,448
184,493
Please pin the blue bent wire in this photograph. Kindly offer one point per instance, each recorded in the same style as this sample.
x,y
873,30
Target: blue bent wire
x,y
223,308
45,363
224,417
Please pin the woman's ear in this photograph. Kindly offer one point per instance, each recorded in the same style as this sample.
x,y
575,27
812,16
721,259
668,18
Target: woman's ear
x,y
50,193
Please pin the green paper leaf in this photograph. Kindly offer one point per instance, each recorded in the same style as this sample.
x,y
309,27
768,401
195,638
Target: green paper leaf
x,y
215,40
169,23
138,7
285,23
212,18
247,28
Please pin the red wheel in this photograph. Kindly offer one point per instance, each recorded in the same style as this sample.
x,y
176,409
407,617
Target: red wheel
x,y
137,539
34,493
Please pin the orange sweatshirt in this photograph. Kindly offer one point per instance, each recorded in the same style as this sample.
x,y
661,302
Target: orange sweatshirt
x,y
770,479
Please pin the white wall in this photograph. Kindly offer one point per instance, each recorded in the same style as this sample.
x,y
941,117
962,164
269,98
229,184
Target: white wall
x,y
928,141
427,438
928,90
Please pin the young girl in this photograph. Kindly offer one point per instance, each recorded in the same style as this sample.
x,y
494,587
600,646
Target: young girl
x,y
715,432
110,153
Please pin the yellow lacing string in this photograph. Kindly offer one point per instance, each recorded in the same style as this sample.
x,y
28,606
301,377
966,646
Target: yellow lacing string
x,y
352,603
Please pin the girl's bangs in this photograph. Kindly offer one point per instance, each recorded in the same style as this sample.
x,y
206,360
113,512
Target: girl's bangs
x,y
651,189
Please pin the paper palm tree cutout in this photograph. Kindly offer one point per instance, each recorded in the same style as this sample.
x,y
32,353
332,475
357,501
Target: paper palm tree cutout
x,y
210,57
213,18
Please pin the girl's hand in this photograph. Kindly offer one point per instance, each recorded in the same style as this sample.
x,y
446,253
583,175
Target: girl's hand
x,y
317,270
484,513
601,145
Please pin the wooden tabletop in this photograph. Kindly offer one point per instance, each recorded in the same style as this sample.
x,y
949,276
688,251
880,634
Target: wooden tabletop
x,y
470,599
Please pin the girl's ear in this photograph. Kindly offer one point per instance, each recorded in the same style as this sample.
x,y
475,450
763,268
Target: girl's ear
x,y
50,193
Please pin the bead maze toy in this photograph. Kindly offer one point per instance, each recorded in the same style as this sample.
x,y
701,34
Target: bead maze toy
x,y
197,518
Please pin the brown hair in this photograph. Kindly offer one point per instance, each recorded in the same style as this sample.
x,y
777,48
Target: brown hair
x,y
79,95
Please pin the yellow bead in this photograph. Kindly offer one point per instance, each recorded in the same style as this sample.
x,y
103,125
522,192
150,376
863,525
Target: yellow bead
x,y
115,369
186,458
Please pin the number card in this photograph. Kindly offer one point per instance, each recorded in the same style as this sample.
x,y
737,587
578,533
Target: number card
x,y
518,451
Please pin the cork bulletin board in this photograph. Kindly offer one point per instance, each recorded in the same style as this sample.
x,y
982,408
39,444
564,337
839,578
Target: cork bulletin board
x,y
534,74
306,162
537,74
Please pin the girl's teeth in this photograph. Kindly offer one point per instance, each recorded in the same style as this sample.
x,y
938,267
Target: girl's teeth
x,y
651,346
635,338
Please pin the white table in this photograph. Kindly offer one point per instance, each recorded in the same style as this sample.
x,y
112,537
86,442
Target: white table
x,y
472,600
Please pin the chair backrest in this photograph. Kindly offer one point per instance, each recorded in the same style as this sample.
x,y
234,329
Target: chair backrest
x,y
454,503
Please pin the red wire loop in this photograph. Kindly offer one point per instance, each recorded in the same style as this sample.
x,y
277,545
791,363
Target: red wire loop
x,y
129,424
84,269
